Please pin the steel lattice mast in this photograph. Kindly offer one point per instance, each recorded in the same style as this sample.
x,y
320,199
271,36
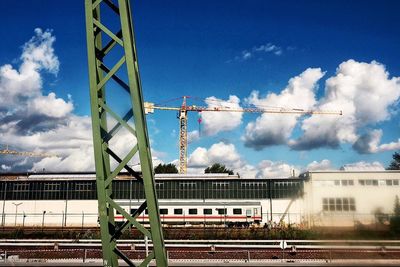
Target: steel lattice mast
x,y
133,121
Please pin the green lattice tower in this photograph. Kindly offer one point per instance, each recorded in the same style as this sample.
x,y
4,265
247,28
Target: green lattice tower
x,y
102,40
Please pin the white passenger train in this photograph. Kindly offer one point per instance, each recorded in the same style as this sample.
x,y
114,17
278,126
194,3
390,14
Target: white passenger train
x,y
230,213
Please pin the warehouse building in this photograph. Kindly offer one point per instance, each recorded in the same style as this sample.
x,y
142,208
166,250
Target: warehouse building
x,y
349,196
317,198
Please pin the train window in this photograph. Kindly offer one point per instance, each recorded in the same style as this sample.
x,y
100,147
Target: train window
x,y
178,211
163,211
237,211
221,211
192,211
207,211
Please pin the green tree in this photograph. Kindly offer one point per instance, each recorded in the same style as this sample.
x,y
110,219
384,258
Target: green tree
x,y
166,168
218,168
395,164
395,220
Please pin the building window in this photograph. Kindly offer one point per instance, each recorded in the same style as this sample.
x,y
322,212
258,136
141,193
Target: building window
x,y
21,187
389,182
51,187
207,211
192,211
178,211
338,204
395,182
337,182
163,211
237,211
325,206
347,182
368,182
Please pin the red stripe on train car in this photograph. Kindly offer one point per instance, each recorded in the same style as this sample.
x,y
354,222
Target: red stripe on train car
x,y
199,217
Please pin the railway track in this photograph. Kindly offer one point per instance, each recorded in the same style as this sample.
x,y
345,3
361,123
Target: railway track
x,y
209,252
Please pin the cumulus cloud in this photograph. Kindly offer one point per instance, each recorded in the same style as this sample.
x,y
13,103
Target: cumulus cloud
x,y
369,142
274,129
32,121
217,153
270,169
362,165
18,84
215,122
193,136
228,155
324,164
365,93
50,106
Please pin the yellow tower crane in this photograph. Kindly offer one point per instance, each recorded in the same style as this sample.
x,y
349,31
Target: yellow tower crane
x,y
24,153
182,111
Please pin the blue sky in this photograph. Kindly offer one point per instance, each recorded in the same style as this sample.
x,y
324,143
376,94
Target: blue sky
x,y
223,48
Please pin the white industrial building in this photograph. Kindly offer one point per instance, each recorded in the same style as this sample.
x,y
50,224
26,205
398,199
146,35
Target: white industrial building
x,y
317,198
348,197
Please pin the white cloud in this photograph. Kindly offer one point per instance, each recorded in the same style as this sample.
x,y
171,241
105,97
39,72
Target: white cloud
x,y
270,169
370,143
193,136
269,48
273,129
50,105
31,121
214,122
364,92
217,153
39,50
228,155
5,167
362,165
324,164
258,51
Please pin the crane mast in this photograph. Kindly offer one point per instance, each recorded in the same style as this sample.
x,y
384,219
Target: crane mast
x,y
184,108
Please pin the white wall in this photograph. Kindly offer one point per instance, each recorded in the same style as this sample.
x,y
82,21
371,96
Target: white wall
x,y
368,198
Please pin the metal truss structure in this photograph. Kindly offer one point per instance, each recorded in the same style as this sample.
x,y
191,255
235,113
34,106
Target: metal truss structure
x,y
104,46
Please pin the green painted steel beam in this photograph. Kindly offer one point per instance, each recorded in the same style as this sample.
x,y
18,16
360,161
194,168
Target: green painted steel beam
x,y
100,73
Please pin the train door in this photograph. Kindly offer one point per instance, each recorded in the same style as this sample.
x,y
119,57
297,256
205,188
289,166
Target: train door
x,y
248,213
256,215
